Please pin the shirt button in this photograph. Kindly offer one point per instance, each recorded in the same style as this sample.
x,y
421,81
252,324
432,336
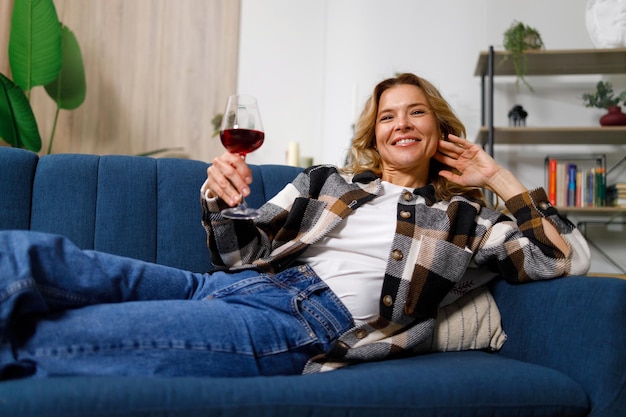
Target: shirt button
x,y
360,333
388,300
544,205
405,214
343,345
407,196
397,254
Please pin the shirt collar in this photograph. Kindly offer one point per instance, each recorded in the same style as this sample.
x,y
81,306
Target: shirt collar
x,y
427,191
364,177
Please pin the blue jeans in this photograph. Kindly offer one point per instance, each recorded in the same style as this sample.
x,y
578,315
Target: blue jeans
x,y
66,311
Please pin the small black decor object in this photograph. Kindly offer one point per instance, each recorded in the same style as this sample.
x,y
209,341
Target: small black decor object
x,y
517,116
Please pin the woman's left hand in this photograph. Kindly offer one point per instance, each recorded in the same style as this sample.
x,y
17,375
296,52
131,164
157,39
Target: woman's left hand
x,y
476,167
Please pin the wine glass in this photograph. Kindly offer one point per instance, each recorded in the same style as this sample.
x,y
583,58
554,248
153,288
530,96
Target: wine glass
x,y
241,132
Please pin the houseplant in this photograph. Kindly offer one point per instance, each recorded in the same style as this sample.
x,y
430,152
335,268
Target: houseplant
x,y
42,52
216,121
519,38
605,98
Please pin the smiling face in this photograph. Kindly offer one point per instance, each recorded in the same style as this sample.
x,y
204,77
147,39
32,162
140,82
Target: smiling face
x,y
407,134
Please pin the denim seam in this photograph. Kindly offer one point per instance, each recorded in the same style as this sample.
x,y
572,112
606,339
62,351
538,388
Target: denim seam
x,y
62,295
296,302
248,283
134,345
326,319
17,287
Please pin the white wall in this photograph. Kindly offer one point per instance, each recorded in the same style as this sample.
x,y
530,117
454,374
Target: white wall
x,y
308,60
312,64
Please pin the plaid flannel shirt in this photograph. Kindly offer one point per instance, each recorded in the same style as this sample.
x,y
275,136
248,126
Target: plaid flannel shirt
x,y
436,245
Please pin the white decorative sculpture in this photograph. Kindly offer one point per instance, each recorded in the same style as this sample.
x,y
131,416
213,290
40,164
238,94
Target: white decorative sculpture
x,y
606,23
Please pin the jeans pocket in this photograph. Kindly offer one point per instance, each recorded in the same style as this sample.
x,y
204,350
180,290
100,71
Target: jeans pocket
x,y
322,314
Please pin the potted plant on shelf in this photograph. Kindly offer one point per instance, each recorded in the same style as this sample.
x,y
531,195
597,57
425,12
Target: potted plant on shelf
x,y
605,98
519,38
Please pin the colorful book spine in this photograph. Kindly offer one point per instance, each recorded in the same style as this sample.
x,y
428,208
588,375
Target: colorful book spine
x,y
600,187
579,188
571,185
573,181
591,176
561,184
552,181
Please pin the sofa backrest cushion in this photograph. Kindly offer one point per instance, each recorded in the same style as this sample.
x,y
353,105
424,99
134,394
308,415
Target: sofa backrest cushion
x,y
17,171
133,206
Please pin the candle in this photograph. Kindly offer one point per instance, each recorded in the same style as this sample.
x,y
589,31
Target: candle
x,y
293,154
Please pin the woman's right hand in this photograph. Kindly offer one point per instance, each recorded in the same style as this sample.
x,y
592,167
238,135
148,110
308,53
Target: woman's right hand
x,y
228,178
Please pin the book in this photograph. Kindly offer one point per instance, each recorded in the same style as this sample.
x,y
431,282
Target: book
x,y
552,181
617,186
579,188
616,194
590,178
561,184
600,189
576,180
571,185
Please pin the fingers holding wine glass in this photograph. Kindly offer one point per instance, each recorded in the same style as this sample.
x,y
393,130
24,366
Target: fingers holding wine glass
x,y
228,178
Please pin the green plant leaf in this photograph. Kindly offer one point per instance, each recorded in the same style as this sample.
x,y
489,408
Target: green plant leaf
x,y
34,43
68,90
18,126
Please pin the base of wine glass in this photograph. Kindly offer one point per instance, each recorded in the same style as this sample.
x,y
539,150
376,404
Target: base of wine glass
x,y
241,212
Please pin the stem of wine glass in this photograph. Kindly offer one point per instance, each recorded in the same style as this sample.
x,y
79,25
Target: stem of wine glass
x,y
242,204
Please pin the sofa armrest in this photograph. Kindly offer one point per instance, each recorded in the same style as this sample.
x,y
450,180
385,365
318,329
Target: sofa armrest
x,y
576,325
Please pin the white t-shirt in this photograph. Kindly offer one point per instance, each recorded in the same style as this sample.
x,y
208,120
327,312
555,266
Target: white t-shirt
x,y
352,258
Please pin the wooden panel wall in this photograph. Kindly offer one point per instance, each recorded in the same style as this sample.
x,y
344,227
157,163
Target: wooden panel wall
x,y
157,72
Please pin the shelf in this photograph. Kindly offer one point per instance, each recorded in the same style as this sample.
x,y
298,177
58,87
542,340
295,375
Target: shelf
x,y
592,210
558,62
607,135
604,212
550,63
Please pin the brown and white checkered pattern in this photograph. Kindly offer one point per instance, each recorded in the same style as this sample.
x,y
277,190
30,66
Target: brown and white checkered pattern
x,y
435,245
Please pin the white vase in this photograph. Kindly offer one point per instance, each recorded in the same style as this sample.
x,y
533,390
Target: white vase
x,y
606,23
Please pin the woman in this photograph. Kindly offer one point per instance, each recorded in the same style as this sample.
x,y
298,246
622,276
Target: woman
x,y
393,220
342,266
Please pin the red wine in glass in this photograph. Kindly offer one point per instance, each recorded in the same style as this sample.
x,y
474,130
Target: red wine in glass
x,y
241,132
242,141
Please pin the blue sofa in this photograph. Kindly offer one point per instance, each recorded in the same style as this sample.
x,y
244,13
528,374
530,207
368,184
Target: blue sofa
x,y
565,354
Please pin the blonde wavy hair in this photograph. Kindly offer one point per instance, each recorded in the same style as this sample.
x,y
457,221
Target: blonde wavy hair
x,y
364,157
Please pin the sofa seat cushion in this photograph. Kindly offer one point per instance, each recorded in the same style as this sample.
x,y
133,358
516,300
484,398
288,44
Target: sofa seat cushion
x,y
441,384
